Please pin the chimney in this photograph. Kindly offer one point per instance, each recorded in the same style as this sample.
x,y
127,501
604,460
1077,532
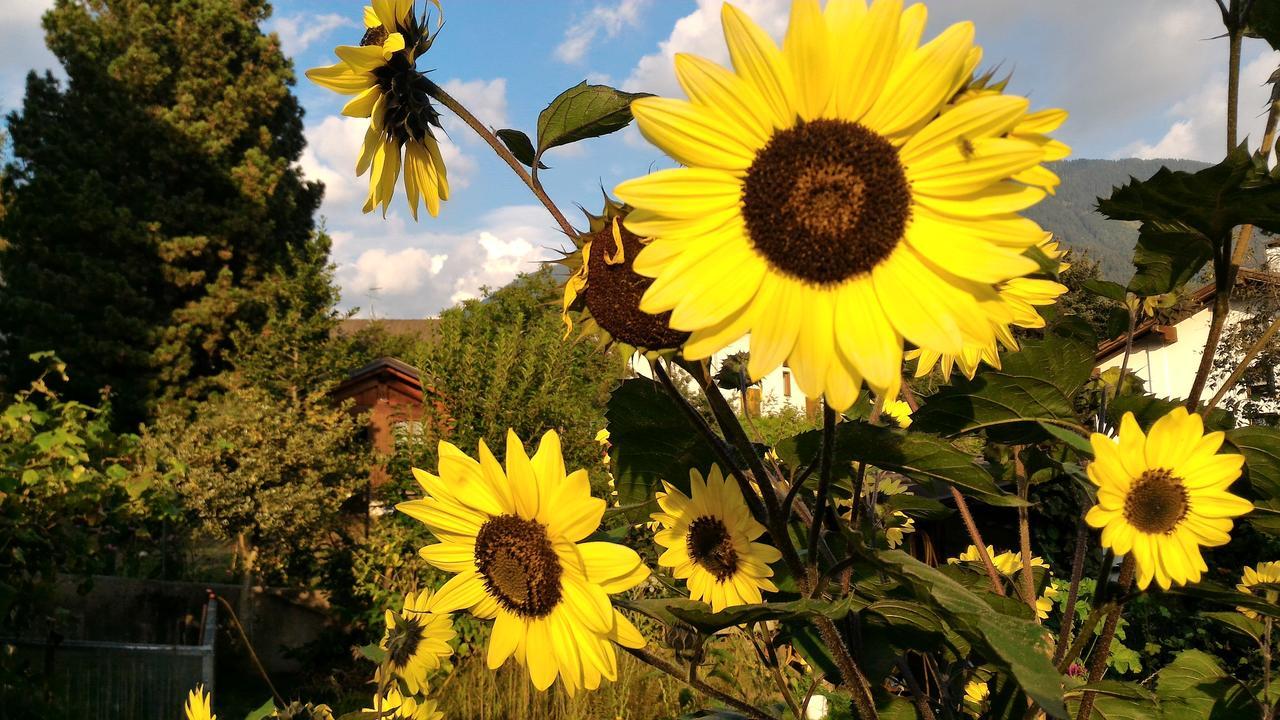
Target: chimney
x,y
1272,262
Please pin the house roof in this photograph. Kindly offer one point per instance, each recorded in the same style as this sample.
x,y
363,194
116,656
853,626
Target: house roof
x,y
394,375
1199,299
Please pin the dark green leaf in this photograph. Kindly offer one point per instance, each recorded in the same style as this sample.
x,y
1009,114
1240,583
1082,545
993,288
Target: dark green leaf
x,y
263,711
1116,700
1239,623
808,642
921,457
1229,597
1017,646
583,111
1194,686
520,145
374,652
1034,384
1147,409
700,616
1073,439
1106,289
1264,22
652,440
1261,449
1186,215
917,507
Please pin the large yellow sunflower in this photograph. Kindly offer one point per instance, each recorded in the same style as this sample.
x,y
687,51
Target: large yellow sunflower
x,y
1264,573
514,538
710,540
416,640
199,705
1163,495
840,196
392,93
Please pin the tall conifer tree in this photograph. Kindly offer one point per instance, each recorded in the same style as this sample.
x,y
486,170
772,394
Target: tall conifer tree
x,y
149,194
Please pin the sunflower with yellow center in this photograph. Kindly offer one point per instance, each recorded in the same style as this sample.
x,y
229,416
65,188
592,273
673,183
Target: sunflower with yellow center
x,y
1162,495
837,200
391,92
709,538
514,537
416,640
400,707
199,705
603,290
1264,573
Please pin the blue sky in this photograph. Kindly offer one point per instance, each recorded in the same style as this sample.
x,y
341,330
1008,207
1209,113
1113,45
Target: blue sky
x,y
1140,78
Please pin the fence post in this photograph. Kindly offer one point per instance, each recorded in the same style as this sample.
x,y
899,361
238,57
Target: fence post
x,y
210,639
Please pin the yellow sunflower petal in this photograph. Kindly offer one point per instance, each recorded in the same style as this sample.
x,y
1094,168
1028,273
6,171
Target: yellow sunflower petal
x,y
758,61
863,60
805,47
690,134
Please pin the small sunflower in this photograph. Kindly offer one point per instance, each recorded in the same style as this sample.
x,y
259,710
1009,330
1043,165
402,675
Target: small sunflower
x,y
1264,573
899,412
976,692
1163,495
841,196
404,708
897,532
391,92
1044,603
603,292
416,640
514,538
1007,563
709,536
200,705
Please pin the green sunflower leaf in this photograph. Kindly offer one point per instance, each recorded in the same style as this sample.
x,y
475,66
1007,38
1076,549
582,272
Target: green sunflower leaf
x,y
1184,216
1034,385
1016,645
583,111
1116,700
1261,449
927,459
520,145
1195,686
1147,409
699,614
1228,597
1239,623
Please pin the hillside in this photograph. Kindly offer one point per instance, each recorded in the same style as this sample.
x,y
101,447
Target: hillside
x,y
1070,214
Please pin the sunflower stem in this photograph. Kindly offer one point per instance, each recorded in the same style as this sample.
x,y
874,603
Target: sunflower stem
x,y
257,664
1101,652
1027,575
963,506
438,93
1073,594
741,706
850,673
718,445
824,485
918,697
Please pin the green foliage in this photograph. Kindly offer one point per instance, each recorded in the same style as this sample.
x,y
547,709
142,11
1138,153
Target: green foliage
x,y
1187,218
581,112
149,194
70,500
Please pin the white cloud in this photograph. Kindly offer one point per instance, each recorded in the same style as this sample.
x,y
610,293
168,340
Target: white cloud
x,y
604,20
393,273
486,99
298,32
22,38
699,33
1198,131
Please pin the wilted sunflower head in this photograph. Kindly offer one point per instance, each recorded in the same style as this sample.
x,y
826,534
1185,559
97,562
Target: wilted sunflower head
x,y
603,293
303,711
381,72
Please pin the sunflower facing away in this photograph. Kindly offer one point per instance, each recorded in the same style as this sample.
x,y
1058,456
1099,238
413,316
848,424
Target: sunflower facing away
x,y
416,640
710,541
1162,495
404,708
514,538
392,93
1266,572
841,196
199,705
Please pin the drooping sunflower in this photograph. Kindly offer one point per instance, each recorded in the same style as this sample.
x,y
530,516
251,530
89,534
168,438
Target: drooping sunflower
x,y
404,708
603,290
840,197
1162,495
514,538
1265,572
709,536
389,90
199,705
416,640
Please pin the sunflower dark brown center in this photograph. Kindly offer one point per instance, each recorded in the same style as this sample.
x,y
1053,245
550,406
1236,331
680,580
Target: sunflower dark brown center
x,y
1156,503
614,290
374,36
519,566
402,640
826,200
711,547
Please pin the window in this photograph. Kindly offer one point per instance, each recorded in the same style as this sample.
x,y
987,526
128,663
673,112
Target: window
x,y
786,383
